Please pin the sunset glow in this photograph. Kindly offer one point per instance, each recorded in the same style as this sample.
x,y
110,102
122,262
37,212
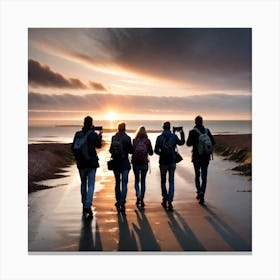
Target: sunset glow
x,y
112,116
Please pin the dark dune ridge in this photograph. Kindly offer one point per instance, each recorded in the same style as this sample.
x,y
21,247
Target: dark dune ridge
x,y
237,148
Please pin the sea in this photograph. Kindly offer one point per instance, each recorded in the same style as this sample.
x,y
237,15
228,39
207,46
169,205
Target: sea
x,y
63,132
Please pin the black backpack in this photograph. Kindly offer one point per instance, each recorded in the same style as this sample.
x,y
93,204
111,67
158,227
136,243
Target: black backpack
x,y
166,148
80,146
117,147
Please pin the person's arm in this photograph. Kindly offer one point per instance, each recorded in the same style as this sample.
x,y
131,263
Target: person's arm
x,y
98,140
157,150
211,137
181,141
133,144
129,146
150,148
110,150
72,145
190,139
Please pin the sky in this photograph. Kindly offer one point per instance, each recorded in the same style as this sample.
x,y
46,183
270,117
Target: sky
x,y
139,73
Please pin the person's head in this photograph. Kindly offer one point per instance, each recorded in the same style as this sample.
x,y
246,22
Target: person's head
x,y
166,125
198,120
88,121
121,127
141,132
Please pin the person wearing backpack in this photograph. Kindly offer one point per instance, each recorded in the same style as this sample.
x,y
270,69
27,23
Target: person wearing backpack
x,y
84,149
166,145
120,148
142,147
202,141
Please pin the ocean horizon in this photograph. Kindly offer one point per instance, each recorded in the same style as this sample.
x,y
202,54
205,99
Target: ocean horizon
x,y
63,132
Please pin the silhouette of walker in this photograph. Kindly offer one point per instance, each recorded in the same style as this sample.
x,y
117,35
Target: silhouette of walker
x,y
142,147
84,149
165,147
120,148
200,156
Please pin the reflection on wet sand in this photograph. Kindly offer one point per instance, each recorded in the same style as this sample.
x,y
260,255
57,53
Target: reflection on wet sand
x,y
90,236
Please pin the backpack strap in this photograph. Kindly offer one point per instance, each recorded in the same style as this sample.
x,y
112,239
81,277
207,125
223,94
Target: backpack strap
x,y
197,130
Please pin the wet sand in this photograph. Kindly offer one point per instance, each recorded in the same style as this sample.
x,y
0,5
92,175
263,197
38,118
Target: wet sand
x,y
55,223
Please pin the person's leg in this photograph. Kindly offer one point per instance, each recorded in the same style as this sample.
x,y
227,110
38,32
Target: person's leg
x,y
124,187
144,171
136,171
88,191
196,166
171,171
204,169
117,186
83,176
91,182
163,172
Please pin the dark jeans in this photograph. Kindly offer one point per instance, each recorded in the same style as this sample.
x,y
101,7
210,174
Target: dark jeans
x,y
121,178
140,170
170,169
87,176
200,169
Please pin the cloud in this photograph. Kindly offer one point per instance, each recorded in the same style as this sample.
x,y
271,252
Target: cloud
x,y
212,104
96,86
219,59
43,76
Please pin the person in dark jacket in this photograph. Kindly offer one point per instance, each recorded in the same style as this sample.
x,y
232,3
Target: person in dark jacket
x,y
87,167
165,147
120,148
200,162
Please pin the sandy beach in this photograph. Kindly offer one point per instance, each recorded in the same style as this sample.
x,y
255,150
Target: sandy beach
x,y
55,222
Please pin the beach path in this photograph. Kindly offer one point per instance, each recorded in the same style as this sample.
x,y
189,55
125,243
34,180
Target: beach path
x,y
223,224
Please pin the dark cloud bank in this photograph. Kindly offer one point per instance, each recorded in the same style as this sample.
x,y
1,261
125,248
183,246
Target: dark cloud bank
x,y
219,58
219,104
43,76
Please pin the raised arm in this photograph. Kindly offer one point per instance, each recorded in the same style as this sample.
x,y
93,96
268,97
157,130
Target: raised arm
x,y
181,141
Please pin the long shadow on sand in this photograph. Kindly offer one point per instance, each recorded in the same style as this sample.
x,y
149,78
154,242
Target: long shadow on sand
x,y
230,236
144,231
127,240
90,237
183,232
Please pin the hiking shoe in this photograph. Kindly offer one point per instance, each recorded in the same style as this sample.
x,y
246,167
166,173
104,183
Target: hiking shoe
x,y
88,213
164,204
170,206
138,201
201,198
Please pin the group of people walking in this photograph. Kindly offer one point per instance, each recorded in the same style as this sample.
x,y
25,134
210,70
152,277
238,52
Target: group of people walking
x,y
87,140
